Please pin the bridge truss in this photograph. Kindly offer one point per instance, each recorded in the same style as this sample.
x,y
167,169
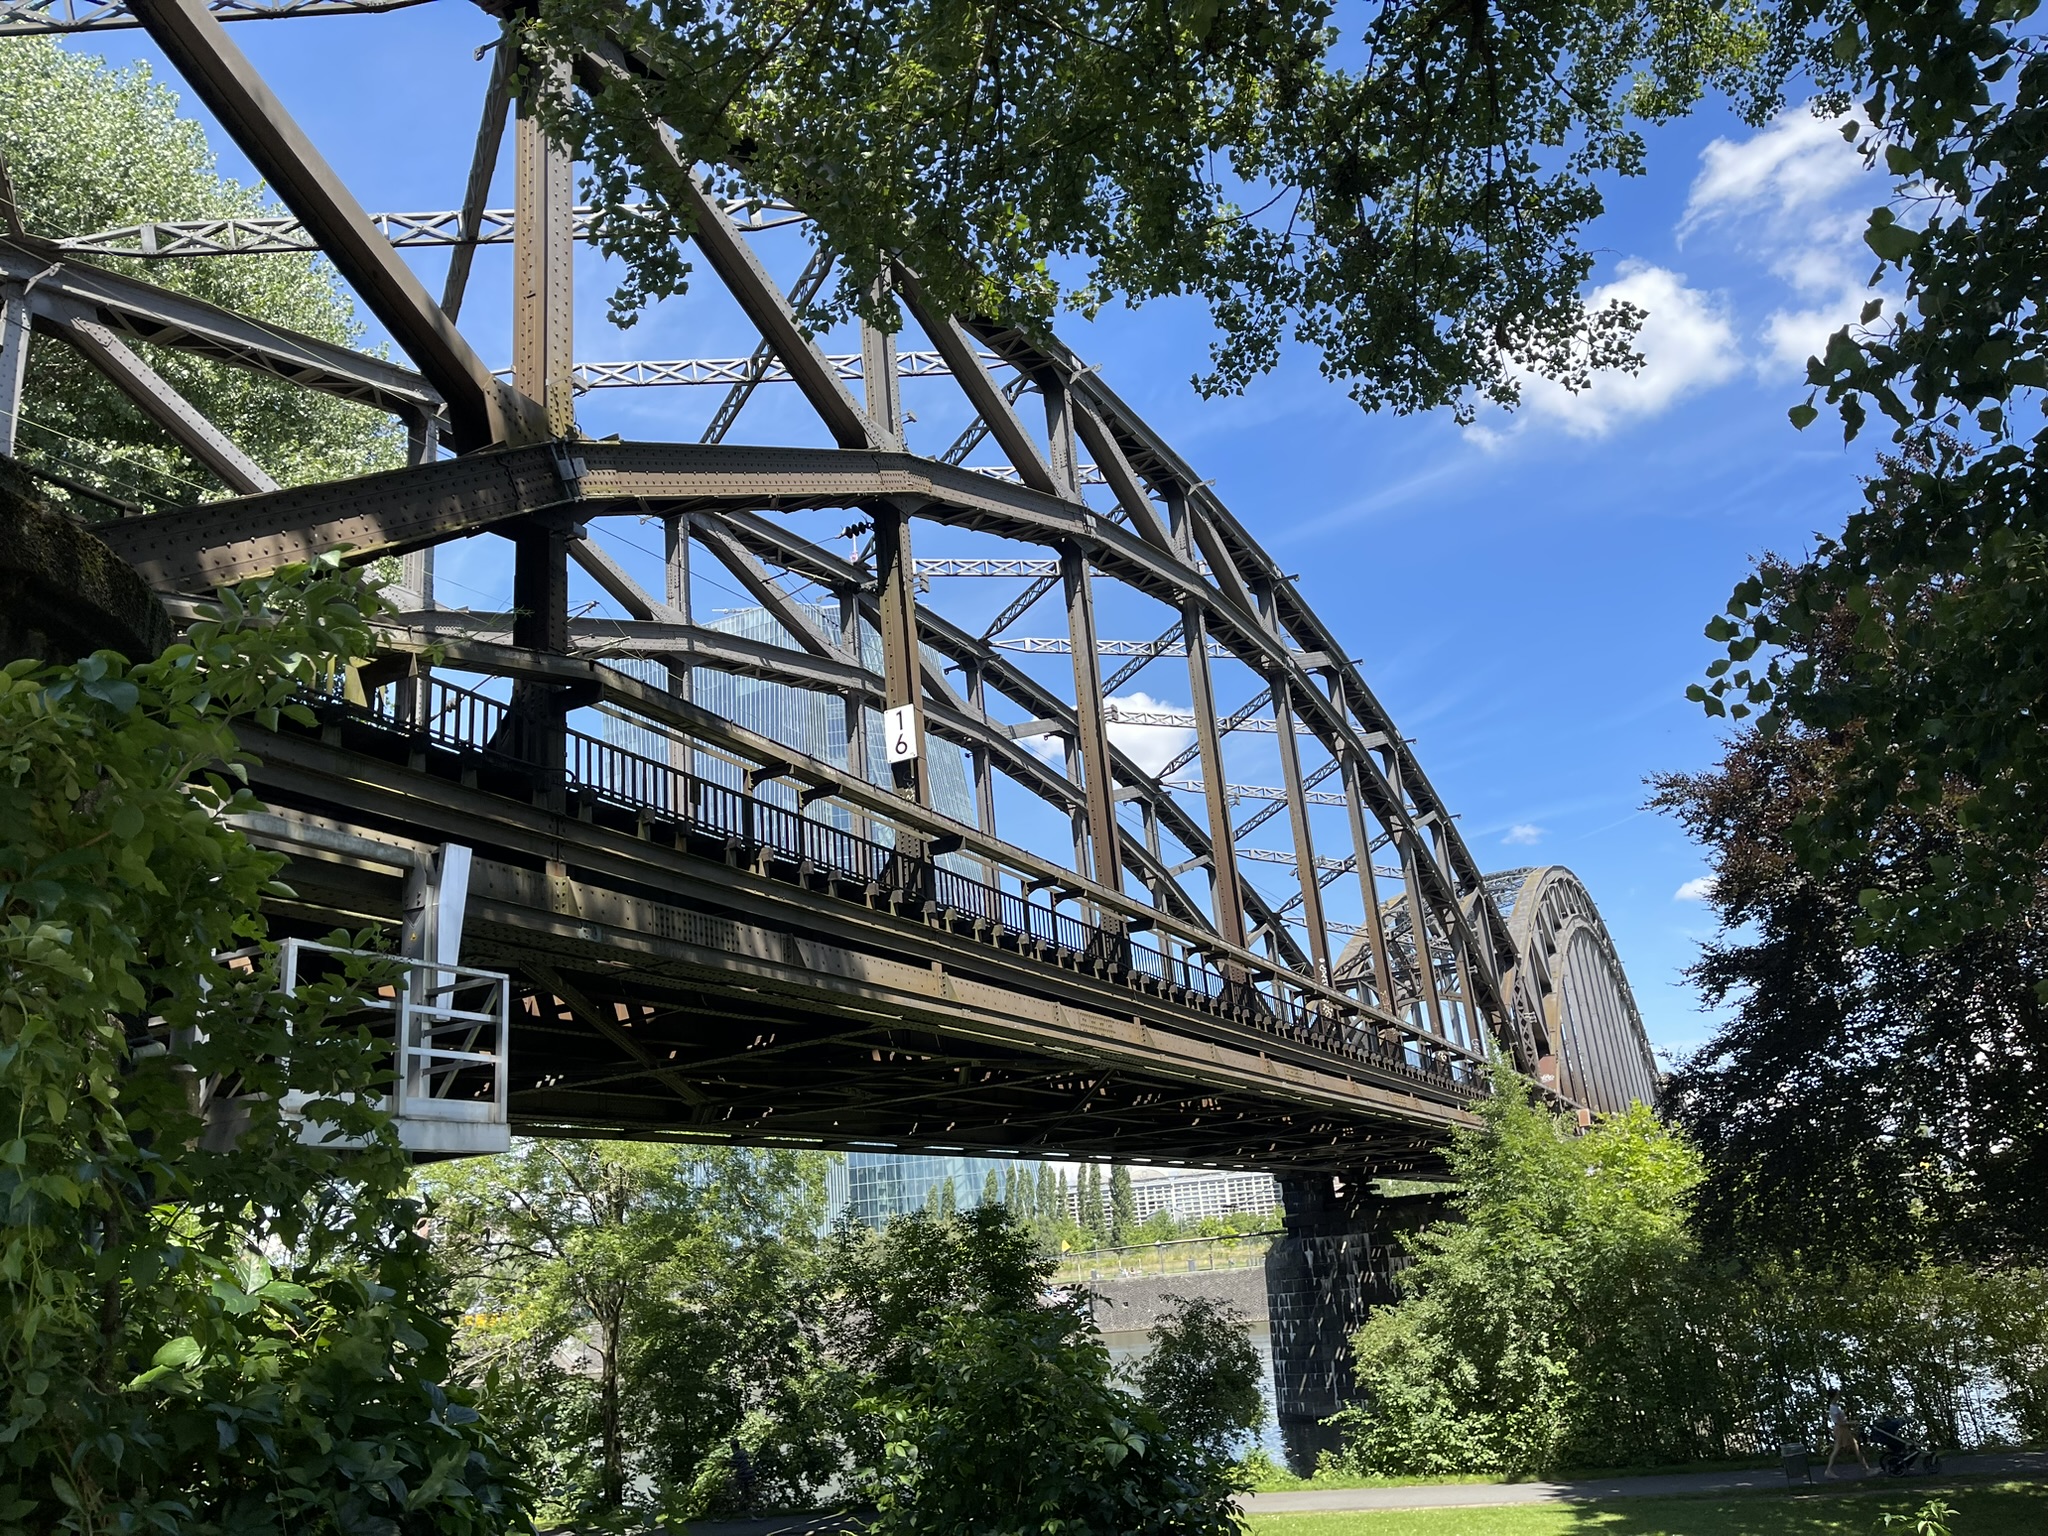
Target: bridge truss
x,y
722,926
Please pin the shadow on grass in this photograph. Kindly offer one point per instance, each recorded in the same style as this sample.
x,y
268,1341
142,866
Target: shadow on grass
x,y
2005,1509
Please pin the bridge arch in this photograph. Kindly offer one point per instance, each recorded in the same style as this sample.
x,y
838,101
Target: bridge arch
x,y
726,929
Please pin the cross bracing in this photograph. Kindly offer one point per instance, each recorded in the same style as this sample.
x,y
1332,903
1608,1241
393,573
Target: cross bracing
x,y
729,927
27,18
283,234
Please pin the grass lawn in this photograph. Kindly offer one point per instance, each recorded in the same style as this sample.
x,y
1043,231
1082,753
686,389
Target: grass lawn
x,y
1999,1509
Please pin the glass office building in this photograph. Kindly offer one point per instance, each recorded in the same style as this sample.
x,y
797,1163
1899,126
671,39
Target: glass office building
x,y
874,1186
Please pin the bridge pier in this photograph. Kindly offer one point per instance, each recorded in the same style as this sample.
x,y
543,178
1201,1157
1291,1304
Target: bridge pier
x,y
1335,1263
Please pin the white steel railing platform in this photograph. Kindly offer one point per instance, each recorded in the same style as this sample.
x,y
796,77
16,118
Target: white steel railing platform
x,y
450,1030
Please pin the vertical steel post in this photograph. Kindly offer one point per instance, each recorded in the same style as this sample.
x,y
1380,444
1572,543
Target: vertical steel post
x,y
1418,911
543,257
1226,900
879,384
1468,1008
422,446
1368,884
14,338
1094,734
1059,430
902,659
854,702
675,562
543,361
1304,840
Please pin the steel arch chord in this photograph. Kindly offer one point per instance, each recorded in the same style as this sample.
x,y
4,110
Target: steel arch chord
x,y
739,911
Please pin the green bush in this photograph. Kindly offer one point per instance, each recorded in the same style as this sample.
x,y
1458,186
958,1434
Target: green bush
x,y
1570,1319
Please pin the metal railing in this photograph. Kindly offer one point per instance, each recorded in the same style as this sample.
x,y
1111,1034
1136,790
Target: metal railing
x,y
781,839
450,1039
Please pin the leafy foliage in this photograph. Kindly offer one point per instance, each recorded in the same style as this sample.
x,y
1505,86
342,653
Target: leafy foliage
x,y
1011,1422
90,148
646,1322
1400,186
1859,1101
1528,1323
1572,1320
1931,692
208,1323
624,1305
1202,1376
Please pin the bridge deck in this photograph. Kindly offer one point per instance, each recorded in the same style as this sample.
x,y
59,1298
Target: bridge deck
x,y
714,965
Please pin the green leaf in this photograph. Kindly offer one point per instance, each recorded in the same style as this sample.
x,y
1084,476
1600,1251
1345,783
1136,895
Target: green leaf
x,y
179,1353
1803,416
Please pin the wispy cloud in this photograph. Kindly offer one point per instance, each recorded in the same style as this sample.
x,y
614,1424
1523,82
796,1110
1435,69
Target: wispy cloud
x,y
1699,888
1796,193
1523,834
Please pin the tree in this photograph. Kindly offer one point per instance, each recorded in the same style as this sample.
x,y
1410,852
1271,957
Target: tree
x,y
1528,1328
1400,189
991,1190
1123,1207
88,148
665,1265
1202,1376
1572,1319
209,1320
993,1398
1931,693
1858,1101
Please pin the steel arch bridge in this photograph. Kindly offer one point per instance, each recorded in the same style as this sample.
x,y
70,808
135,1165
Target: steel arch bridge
x,y
745,870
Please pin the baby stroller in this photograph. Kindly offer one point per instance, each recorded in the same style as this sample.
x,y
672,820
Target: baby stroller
x,y
1898,1453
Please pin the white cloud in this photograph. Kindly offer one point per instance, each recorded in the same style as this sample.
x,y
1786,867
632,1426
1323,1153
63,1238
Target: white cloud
x,y
1699,888
1151,747
1523,834
1797,195
1687,344
1798,164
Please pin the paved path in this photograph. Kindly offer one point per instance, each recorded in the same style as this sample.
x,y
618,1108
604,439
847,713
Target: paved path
x,y
2022,1464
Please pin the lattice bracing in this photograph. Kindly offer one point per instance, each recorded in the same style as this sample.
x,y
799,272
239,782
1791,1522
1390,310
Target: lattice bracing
x,y
782,873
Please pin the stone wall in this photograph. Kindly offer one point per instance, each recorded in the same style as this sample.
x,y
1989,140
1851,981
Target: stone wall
x,y
64,594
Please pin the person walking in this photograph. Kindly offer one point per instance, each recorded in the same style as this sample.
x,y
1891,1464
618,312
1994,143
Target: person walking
x,y
1844,1431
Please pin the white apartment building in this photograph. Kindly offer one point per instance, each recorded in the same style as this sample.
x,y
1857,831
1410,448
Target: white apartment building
x,y
1192,1195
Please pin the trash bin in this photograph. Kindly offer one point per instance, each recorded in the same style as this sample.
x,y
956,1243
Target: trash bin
x,y
1795,1462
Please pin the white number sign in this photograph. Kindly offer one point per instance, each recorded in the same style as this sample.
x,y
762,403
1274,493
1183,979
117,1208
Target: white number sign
x,y
899,733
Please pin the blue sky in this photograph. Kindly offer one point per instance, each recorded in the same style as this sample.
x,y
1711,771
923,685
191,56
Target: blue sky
x,y
1526,596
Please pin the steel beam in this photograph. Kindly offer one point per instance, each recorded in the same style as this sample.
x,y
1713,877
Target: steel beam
x,y
281,234
1226,893
14,341
543,258
1061,457
963,360
749,572
42,18
736,265
1304,838
1093,733
167,408
481,411
144,312
902,659
483,164
758,367
878,379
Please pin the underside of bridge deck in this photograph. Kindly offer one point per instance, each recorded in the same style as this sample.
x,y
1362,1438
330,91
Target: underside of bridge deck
x,y
669,990
732,904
